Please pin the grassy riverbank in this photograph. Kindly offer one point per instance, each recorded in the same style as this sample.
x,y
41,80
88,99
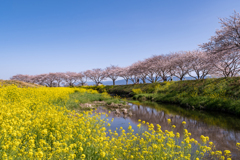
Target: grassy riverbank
x,y
78,100
217,94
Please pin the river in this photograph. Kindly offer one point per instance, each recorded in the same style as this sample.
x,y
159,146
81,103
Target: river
x,y
222,129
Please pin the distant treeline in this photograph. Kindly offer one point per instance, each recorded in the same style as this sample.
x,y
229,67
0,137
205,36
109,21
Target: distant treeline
x,y
220,57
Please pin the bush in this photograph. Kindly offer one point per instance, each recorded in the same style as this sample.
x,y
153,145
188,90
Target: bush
x,y
137,91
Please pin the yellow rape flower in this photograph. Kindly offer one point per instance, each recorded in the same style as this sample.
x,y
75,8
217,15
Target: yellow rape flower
x,y
169,121
83,156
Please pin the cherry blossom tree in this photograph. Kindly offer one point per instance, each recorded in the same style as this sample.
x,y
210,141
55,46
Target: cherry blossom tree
x,y
96,75
165,67
124,73
134,74
227,38
49,79
180,63
40,79
82,78
150,68
59,78
112,72
201,64
70,78
21,77
34,79
170,65
159,68
225,64
138,71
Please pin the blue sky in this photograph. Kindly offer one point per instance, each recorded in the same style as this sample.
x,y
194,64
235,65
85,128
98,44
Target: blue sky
x,y
59,35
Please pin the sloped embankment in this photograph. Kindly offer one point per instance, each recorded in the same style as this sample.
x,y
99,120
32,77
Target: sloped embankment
x,y
218,94
17,83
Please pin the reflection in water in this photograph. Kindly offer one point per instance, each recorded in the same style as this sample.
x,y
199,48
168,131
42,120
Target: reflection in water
x,y
223,130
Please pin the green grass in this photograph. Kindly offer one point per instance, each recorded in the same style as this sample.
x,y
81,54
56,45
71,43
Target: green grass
x,y
217,94
76,98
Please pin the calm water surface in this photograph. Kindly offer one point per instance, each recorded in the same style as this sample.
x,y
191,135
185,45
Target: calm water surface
x,y
222,129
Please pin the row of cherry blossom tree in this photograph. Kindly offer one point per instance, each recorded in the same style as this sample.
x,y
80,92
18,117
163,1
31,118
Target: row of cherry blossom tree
x,y
219,57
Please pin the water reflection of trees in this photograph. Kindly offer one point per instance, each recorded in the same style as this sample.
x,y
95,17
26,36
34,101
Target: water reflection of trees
x,y
224,139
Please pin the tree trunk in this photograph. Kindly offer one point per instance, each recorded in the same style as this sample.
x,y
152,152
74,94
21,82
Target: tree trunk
x,y
164,78
126,81
144,81
114,82
137,81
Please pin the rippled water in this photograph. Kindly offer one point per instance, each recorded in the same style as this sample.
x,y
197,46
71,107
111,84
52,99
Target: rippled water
x,y
222,129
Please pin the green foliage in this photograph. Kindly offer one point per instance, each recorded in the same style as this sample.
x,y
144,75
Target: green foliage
x,y
137,91
221,94
100,88
77,97
110,101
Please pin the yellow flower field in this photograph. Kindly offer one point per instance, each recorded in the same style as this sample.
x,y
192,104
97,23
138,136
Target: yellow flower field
x,y
34,126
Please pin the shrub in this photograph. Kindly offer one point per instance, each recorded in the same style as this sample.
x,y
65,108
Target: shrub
x,y
137,91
